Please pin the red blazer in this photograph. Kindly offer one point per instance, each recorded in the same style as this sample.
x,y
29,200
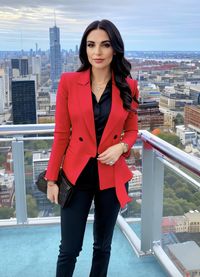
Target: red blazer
x,y
75,129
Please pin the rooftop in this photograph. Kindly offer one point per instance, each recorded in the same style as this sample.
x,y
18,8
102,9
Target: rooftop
x,y
183,252
27,241
32,251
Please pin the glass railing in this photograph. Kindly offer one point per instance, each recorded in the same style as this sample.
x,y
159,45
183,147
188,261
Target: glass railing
x,y
24,152
170,217
163,217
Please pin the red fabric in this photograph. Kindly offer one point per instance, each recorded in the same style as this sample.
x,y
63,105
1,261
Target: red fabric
x,y
75,129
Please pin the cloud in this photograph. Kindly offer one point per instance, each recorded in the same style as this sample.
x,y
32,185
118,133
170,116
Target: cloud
x,y
143,22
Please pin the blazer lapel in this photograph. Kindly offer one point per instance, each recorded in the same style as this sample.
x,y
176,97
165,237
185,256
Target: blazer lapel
x,y
85,102
116,109
86,107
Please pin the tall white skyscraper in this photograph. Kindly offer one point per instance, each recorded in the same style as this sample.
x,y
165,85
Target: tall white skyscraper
x,y
36,68
55,56
4,90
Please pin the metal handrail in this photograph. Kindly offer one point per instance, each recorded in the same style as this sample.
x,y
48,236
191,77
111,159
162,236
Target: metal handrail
x,y
172,152
165,148
26,129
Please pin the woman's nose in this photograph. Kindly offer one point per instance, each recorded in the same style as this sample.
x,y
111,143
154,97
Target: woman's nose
x,y
97,50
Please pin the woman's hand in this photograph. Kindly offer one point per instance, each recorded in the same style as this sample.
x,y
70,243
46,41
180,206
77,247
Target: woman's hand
x,y
52,192
111,154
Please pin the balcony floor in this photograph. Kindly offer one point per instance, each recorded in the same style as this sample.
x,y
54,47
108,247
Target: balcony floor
x,y
32,251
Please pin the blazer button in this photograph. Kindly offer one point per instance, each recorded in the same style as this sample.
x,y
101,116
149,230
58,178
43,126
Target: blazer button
x,y
115,136
80,138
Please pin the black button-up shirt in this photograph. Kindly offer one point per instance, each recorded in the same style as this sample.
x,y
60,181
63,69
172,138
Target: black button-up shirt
x,y
102,110
89,179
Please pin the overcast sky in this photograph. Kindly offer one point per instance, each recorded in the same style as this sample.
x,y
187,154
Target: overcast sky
x,y
144,24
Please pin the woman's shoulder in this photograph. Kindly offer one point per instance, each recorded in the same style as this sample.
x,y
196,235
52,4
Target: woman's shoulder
x,y
70,75
131,81
133,84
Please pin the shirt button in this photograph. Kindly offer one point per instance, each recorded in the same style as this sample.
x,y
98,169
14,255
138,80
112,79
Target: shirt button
x,y
80,138
115,136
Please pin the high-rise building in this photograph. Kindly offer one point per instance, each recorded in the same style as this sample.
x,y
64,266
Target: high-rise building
x,y
1,95
192,117
192,122
40,161
194,92
55,56
24,101
19,67
36,68
4,90
149,116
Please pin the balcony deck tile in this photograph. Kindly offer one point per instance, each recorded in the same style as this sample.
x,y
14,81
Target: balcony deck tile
x,y
32,251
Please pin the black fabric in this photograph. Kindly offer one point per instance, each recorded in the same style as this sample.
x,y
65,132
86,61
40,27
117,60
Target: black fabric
x,y
89,179
73,222
102,110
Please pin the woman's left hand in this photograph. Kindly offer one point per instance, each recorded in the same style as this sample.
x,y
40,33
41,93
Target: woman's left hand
x,y
111,154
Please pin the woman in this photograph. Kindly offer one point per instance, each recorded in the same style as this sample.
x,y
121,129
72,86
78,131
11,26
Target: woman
x,y
95,126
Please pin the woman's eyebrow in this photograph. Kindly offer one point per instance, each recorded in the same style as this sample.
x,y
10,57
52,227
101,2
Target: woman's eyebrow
x,y
104,41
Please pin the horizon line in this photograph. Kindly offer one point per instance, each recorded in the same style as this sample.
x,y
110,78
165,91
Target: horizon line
x,y
125,50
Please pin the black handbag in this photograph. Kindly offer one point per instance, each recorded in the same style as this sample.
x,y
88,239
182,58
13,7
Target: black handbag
x,y
65,187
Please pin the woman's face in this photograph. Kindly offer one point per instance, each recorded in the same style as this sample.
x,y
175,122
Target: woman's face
x,y
99,49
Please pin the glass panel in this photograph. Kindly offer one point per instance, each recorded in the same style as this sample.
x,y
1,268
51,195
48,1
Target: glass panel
x,y
7,200
36,156
132,212
133,209
181,221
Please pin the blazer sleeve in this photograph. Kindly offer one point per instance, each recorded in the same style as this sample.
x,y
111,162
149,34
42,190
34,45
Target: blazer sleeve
x,y
131,123
61,131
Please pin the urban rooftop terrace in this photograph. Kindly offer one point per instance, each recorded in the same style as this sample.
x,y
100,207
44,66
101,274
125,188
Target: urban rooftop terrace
x,y
144,235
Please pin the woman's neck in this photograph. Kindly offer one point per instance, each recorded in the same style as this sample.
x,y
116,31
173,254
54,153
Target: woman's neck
x,y
100,76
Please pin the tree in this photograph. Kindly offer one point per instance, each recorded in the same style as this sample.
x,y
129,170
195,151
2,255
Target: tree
x,y
134,209
184,193
185,205
2,159
56,210
32,209
172,207
178,120
28,157
170,138
169,193
6,212
196,198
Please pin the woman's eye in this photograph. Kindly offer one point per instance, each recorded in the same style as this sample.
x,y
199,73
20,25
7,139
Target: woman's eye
x,y
90,45
107,45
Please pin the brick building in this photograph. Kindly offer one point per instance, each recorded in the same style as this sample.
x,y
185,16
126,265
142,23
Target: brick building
x,y
149,116
192,117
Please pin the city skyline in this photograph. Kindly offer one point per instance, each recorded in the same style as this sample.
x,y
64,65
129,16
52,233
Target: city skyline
x,y
153,25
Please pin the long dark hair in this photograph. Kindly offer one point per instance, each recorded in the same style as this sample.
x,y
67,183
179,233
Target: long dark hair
x,y
120,66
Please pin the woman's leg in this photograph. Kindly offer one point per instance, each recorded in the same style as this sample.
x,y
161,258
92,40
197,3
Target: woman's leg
x,y
73,222
106,210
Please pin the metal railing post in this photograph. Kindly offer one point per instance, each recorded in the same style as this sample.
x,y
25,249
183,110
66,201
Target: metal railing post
x,y
19,176
152,199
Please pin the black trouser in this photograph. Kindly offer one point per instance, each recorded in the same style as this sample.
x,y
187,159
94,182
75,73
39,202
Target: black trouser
x,y
73,222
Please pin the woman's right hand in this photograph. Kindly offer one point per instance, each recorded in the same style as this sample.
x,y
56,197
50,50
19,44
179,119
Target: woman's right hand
x,y
52,192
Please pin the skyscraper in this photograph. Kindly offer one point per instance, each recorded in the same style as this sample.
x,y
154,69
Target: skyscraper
x,y
36,68
4,90
40,161
24,101
55,56
19,67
